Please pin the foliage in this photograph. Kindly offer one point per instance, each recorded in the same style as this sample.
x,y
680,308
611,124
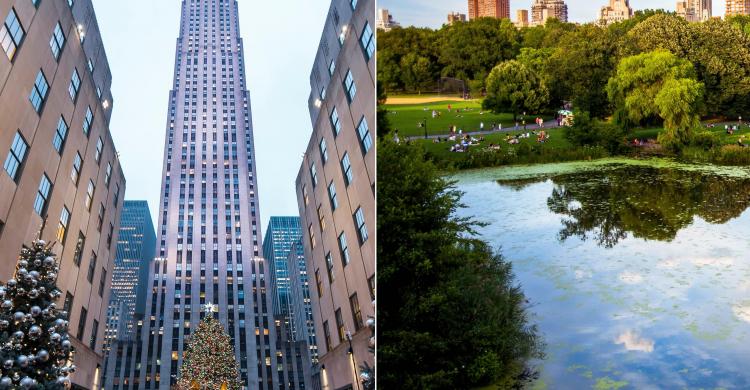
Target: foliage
x,y
383,127
455,317
36,352
594,132
209,360
512,87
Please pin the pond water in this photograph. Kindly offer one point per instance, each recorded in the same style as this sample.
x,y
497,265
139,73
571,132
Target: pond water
x,y
637,272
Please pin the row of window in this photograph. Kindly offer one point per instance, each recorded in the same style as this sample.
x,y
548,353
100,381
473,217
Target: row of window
x,y
343,334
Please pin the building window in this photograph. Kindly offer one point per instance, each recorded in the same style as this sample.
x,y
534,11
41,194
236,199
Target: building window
x,y
323,93
94,331
346,165
57,42
99,147
371,285
75,85
353,3
60,134
305,195
92,268
87,121
42,195
327,333
39,92
332,196
90,63
78,255
344,249
365,139
359,219
102,281
2,225
70,4
90,195
311,232
100,221
335,122
11,34
356,312
332,67
68,304
75,174
321,218
351,89
323,150
35,2
62,226
368,41
110,234
319,283
107,175
314,174
81,324
16,156
329,266
116,198
340,325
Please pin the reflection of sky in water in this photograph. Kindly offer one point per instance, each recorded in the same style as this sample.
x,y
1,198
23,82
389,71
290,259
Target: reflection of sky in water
x,y
643,314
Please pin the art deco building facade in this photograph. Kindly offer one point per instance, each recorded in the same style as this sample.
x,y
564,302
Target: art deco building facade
x,y
208,234
127,304
489,8
542,10
385,20
454,17
522,18
616,11
60,166
738,7
695,10
336,191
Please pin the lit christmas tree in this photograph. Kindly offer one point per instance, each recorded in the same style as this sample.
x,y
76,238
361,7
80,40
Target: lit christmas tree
x,y
209,361
35,352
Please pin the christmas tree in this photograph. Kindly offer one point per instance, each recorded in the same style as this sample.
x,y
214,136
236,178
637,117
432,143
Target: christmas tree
x,y
35,352
209,361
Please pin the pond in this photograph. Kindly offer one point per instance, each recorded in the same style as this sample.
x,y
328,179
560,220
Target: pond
x,y
637,272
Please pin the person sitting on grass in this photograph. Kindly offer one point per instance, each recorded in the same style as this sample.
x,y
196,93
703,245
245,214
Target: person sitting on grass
x,y
741,142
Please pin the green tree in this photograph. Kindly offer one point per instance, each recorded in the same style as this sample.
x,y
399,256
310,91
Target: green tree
x,y
415,72
453,316
513,87
36,352
658,84
594,132
209,361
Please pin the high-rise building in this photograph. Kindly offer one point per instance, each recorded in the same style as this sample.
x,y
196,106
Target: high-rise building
x,y
616,11
542,10
336,191
281,233
303,324
695,10
61,176
385,20
209,240
737,7
522,18
489,8
127,305
454,17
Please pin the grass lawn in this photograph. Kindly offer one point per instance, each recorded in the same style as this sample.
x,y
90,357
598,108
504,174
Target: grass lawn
x,y
407,117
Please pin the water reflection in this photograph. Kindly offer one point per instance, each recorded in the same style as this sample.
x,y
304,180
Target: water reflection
x,y
651,203
634,342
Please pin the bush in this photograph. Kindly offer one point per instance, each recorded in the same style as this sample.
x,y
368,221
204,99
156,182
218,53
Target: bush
x,y
593,132
705,140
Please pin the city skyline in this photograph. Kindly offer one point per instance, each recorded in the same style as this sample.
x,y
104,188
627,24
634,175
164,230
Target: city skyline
x,y
432,13
278,85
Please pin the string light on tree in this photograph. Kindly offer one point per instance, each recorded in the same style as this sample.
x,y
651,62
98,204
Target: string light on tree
x,y
209,361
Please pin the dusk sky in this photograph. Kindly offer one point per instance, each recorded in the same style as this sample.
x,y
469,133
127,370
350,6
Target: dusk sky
x,y
140,36
433,13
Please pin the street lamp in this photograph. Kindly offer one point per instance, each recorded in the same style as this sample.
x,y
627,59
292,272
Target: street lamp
x,y
424,124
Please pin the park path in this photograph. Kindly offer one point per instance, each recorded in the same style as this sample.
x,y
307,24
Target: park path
x,y
396,101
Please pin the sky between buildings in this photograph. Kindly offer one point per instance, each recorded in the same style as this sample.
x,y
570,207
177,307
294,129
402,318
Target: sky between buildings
x,y
280,40
433,13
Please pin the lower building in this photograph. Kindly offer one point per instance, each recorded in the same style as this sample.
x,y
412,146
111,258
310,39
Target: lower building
x,y
616,11
542,10
738,7
454,17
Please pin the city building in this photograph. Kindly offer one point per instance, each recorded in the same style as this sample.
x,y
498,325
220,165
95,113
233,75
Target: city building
x,y
208,234
616,11
127,304
61,176
385,21
542,10
300,302
281,233
489,8
454,17
695,10
522,18
737,7
336,192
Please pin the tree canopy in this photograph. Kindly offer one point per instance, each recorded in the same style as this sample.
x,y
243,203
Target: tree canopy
x,y
513,87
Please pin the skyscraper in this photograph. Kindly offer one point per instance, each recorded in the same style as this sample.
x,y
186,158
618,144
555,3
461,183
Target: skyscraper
x,y
336,191
208,247
522,18
616,11
489,8
281,234
541,10
695,10
127,304
738,7
61,176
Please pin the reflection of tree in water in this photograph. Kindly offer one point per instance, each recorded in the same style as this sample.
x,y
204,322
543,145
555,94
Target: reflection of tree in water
x,y
649,203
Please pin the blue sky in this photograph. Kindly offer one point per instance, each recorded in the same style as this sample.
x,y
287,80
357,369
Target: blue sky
x,y
140,37
433,13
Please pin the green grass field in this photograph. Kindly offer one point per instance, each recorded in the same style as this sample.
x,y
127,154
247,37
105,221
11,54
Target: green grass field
x,y
407,117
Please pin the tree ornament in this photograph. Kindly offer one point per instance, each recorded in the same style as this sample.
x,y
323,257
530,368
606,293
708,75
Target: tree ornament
x,y
8,364
7,304
27,382
43,355
5,382
23,361
35,332
19,316
12,283
36,311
